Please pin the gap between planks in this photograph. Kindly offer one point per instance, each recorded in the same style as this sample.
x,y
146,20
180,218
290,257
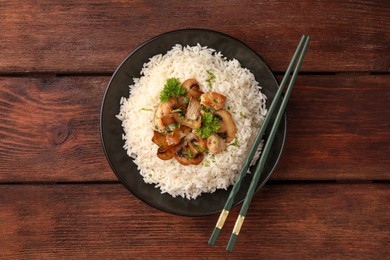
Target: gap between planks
x,y
271,182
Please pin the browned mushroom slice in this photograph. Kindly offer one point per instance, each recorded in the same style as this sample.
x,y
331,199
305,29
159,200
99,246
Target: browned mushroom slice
x,y
213,100
167,120
192,87
228,127
176,135
166,153
163,112
159,139
197,159
183,155
183,103
215,144
192,117
196,144
195,124
193,110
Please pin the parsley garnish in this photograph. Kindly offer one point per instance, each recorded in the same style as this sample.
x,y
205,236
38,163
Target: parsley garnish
x,y
235,143
210,125
243,115
178,110
172,88
212,76
146,109
190,154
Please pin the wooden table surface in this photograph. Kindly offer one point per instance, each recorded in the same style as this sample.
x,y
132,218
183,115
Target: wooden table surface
x,y
328,198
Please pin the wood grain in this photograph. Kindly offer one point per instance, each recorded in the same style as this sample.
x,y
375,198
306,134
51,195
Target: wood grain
x,y
338,129
284,221
74,36
49,129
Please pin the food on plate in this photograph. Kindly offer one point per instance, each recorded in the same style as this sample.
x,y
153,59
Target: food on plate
x,y
190,120
186,129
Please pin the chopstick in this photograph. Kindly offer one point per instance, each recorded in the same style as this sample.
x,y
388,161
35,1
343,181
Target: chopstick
x,y
229,203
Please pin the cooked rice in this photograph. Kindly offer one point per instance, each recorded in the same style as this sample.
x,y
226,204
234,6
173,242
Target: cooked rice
x,y
244,101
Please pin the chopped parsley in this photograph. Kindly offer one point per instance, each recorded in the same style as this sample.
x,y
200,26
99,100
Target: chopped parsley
x,y
243,115
190,154
206,163
212,76
178,110
172,88
210,125
235,143
146,109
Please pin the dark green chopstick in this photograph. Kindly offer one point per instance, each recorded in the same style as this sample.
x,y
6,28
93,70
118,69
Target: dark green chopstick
x,y
267,147
259,136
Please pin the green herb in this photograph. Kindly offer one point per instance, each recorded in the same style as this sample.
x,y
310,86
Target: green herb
x,y
150,175
210,125
243,115
204,108
190,154
198,147
172,88
235,143
212,76
146,109
178,110
206,163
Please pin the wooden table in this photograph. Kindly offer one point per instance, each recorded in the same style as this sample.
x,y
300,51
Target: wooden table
x,y
328,198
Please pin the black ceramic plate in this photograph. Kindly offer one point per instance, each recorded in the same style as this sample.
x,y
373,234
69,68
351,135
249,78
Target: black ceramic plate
x,y
111,130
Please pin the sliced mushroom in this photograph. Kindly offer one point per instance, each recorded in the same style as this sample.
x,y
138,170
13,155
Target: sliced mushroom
x,y
196,144
193,109
166,153
159,139
215,144
192,117
228,127
163,112
176,135
182,155
192,87
197,159
167,120
183,103
195,124
213,100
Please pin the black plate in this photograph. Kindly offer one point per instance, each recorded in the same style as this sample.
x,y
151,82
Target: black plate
x,y
111,129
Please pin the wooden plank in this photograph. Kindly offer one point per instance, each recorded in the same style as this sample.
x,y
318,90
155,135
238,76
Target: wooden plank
x,y
338,129
284,221
69,36
49,129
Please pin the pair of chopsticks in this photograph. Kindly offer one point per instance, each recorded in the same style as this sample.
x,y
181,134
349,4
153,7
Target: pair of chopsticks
x,y
303,44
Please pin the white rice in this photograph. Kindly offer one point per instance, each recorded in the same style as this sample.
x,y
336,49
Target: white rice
x,y
244,101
